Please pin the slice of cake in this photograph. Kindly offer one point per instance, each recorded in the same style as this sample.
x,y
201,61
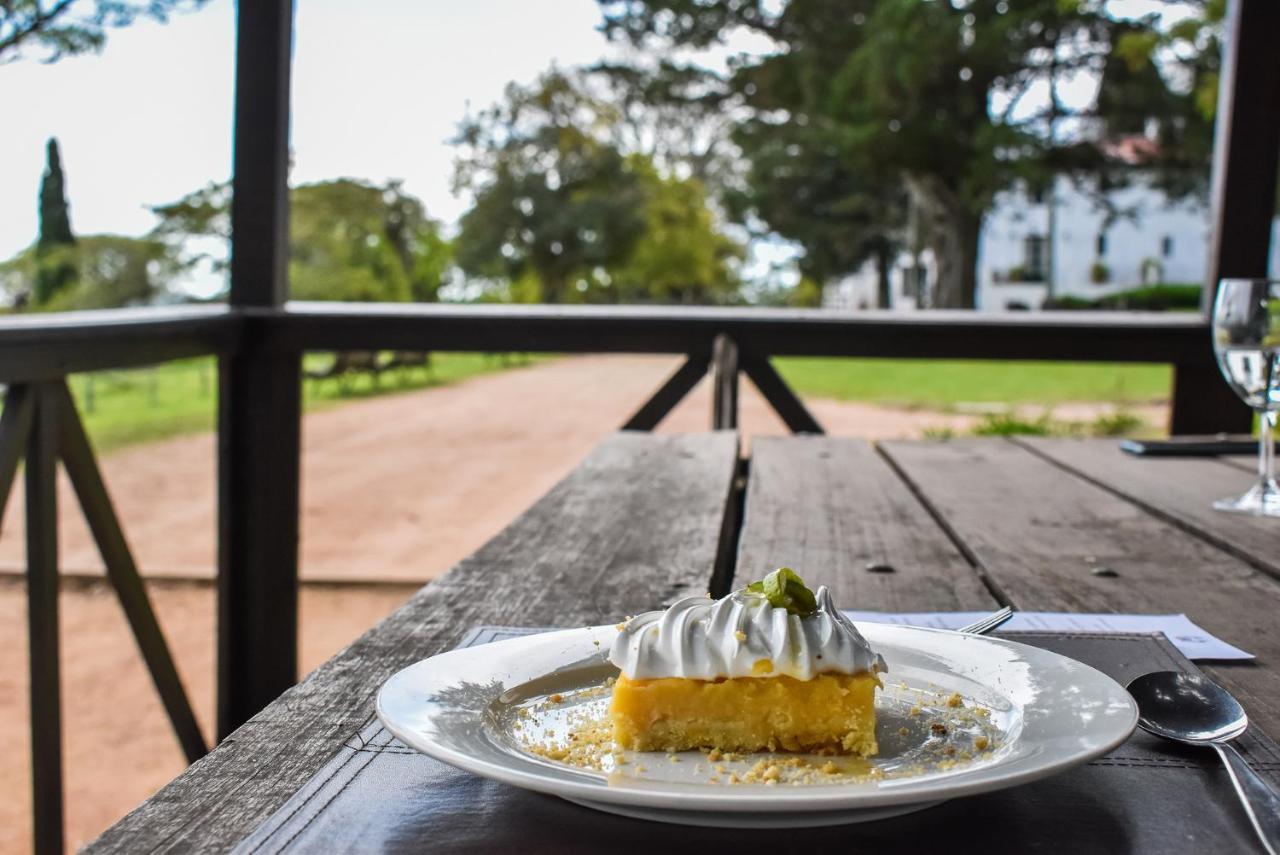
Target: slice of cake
x,y
771,666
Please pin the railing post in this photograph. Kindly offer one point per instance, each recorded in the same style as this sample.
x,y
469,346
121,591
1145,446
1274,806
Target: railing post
x,y
1246,142
724,392
42,621
260,392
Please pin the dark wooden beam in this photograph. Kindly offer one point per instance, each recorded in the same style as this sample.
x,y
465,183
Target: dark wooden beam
x,y
1245,159
724,394
1203,403
260,392
122,571
780,396
42,622
669,394
50,346
15,423
259,467
260,172
1085,336
1246,144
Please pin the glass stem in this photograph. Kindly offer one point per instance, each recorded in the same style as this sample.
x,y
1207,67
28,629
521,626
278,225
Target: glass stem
x,y
1267,450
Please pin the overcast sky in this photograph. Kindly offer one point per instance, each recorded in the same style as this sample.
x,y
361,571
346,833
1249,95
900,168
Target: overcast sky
x,y
378,89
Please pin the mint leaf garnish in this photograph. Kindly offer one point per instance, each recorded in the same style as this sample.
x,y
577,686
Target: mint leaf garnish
x,y
784,589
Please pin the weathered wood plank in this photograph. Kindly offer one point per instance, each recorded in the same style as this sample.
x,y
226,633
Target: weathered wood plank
x,y
831,508
637,524
1181,490
1041,533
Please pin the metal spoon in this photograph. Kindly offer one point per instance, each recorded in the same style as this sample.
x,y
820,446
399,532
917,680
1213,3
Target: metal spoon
x,y
1195,710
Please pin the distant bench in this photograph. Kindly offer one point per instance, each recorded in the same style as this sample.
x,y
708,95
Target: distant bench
x,y
350,363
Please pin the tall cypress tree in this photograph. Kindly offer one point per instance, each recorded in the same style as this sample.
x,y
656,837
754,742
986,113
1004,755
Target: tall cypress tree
x,y
56,269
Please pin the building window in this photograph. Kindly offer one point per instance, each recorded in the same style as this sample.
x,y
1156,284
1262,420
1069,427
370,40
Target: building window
x,y
1101,250
1166,246
1033,258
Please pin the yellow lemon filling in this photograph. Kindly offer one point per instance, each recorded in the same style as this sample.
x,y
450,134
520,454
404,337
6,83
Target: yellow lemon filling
x,y
829,712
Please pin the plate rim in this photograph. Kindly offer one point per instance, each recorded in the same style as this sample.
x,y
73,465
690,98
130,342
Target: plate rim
x,y
774,800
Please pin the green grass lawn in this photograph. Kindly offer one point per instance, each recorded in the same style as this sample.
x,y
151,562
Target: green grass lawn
x,y
122,408
942,384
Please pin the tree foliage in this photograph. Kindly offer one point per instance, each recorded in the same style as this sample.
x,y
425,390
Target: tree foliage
x,y
108,272
681,256
353,241
866,103
570,204
348,240
50,30
57,269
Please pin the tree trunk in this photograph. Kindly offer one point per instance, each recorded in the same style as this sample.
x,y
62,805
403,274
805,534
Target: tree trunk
x,y
883,286
951,231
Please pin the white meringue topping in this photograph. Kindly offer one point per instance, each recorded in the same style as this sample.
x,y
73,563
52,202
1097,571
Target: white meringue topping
x,y
741,635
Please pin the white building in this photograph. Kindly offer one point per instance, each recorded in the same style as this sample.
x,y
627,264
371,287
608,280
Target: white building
x,y
1064,239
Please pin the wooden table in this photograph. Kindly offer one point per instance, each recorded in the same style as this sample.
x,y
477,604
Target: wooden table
x,y
1043,524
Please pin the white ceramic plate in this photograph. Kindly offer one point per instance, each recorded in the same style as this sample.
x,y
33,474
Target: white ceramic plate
x,y
477,709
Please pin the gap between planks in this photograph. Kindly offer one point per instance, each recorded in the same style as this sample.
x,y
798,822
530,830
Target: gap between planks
x,y
965,550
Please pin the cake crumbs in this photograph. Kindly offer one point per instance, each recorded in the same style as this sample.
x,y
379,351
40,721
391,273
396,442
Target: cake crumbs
x,y
740,635
573,728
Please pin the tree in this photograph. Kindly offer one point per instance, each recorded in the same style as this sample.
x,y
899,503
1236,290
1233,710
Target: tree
x,y
57,269
680,257
54,29
348,240
930,96
198,226
1166,80
555,200
802,185
571,202
108,272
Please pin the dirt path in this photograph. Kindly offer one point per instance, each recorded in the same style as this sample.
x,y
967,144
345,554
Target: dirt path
x,y
397,488
403,486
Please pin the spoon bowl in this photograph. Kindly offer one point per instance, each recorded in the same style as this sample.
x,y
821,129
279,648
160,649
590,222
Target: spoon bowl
x,y
1187,708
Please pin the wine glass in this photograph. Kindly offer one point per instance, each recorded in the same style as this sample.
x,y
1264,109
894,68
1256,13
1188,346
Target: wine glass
x,y
1246,339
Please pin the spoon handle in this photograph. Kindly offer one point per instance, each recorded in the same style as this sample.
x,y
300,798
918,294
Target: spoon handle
x,y
1260,801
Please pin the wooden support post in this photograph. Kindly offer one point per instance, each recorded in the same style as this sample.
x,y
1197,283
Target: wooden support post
x,y
724,401
82,469
1246,143
42,622
669,394
260,391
